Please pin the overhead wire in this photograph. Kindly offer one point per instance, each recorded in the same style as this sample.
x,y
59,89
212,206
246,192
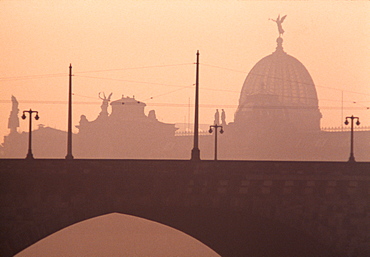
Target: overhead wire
x,y
135,68
160,66
132,81
170,92
274,77
163,84
33,77
187,105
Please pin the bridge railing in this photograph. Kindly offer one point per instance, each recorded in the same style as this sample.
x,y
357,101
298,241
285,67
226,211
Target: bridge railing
x,y
191,133
341,129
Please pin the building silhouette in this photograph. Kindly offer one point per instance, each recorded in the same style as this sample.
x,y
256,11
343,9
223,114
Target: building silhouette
x,y
279,89
125,132
278,118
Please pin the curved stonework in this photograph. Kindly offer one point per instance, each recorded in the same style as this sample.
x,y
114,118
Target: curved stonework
x,y
236,208
281,82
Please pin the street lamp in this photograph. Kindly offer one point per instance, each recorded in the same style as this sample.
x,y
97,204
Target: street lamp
x,y
351,155
211,130
29,154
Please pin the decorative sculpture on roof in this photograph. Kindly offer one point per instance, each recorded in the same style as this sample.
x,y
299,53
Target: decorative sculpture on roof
x,y
279,21
217,118
152,115
13,121
104,106
223,118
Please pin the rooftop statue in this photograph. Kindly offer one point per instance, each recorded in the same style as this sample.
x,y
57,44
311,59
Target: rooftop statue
x,y
104,106
13,121
279,21
223,118
217,118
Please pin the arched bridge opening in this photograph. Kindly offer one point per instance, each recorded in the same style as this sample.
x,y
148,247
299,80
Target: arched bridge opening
x,y
116,234
235,208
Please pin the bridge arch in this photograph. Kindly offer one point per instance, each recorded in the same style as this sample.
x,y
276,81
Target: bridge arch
x,y
116,234
235,208
227,233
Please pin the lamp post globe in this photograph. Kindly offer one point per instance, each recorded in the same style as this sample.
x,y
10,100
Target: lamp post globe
x,y
29,153
346,122
211,130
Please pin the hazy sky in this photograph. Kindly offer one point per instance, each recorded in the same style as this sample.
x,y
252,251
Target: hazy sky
x,y
147,49
117,235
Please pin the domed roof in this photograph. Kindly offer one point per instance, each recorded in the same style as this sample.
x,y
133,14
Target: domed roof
x,y
127,109
282,75
128,101
279,87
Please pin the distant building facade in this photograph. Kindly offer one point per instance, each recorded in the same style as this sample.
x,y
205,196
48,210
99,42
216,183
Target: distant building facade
x,y
278,118
125,132
279,90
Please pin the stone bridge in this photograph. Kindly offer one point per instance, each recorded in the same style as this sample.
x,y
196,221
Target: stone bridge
x,y
237,208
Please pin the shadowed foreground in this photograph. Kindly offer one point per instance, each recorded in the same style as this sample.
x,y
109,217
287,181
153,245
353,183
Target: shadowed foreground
x,y
236,208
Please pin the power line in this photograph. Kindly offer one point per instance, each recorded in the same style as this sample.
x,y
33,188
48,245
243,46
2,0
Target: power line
x,y
33,77
207,88
84,96
159,84
162,66
136,68
203,88
47,102
223,68
303,83
152,97
133,81
92,71
187,105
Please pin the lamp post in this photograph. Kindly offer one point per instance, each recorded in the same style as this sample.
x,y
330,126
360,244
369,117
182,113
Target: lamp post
x,y
351,155
69,155
211,130
195,152
29,154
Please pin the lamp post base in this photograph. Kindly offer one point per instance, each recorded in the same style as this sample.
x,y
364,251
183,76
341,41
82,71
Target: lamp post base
x,y
195,154
351,159
69,157
29,156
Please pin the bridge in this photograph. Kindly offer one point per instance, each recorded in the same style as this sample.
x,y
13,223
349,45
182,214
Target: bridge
x,y
237,208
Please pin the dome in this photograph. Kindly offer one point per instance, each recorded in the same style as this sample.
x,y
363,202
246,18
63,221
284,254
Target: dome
x,y
286,78
127,108
128,101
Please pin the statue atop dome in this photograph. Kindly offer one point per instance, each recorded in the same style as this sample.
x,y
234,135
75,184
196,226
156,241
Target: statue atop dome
x,y
279,21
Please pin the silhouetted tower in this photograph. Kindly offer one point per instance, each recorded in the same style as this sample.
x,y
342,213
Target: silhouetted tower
x,y
69,138
195,153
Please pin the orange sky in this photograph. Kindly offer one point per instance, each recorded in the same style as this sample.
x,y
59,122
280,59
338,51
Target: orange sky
x,y
147,49
136,40
117,235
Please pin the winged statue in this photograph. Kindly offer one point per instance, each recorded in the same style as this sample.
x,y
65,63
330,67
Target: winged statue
x,y
279,21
